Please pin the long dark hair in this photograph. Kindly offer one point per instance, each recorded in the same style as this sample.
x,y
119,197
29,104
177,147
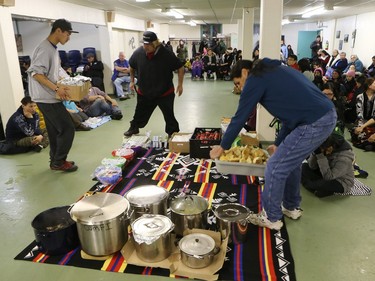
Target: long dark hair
x,y
256,68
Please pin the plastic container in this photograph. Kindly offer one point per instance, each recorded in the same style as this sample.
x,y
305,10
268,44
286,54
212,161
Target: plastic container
x,y
114,161
237,168
108,174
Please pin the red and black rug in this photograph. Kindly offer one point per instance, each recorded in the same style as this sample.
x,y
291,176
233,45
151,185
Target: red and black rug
x,y
266,255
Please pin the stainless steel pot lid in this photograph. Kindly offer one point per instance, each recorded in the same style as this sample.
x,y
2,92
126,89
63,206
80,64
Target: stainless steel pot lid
x,y
189,205
152,225
99,207
197,244
146,194
232,212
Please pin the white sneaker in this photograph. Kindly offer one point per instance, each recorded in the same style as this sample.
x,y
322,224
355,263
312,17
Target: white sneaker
x,y
261,220
292,214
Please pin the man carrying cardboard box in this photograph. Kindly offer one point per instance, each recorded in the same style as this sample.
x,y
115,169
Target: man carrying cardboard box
x,y
43,76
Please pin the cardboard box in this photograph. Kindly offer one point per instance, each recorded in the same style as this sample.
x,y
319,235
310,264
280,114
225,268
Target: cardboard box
x,y
76,92
179,142
200,148
173,262
250,138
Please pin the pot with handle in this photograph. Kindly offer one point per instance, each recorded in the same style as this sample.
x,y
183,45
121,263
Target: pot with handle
x,y
102,223
148,199
197,250
189,212
55,232
232,221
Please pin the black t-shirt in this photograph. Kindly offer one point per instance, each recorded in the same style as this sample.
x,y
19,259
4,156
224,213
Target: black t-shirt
x,y
155,75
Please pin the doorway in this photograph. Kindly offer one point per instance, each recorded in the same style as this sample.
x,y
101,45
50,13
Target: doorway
x,y
305,38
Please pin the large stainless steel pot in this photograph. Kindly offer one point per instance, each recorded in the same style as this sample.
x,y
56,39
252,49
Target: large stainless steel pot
x,y
189,212
55,232
232,221
152,237
197,250
148,199
102,223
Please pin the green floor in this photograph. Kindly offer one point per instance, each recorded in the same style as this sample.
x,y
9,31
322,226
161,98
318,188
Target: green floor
x,y
334,240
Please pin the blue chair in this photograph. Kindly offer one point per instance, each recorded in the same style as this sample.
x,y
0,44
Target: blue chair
x,y
64,58
87,51
74,59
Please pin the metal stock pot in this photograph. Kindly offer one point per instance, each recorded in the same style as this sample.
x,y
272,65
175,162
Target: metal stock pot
x,y
148,199
189,212
197,250
102,223
152,237
232,221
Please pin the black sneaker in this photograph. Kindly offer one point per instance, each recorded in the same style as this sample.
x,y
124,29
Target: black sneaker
x,y
82,127
131,131
38,148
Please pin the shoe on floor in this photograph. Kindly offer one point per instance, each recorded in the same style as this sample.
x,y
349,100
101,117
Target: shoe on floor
x,y
261,220
131,131
292,214
37,148
65,167
125,97
82,127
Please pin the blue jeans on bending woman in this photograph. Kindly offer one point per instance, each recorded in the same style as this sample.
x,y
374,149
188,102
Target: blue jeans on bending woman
x,y
283,170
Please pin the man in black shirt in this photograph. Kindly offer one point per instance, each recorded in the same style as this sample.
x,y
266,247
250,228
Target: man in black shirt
x,y
154,66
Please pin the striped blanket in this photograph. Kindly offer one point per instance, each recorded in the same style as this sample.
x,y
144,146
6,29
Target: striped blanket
x,y
266,255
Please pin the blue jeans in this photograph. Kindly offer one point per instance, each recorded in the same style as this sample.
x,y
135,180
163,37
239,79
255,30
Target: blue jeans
x,y
118,84
98,108
283,170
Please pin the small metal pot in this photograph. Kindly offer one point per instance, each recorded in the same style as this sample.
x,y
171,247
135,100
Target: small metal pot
x,y
55,232
102,223
197,250
232,222
148,199
152,237
189,212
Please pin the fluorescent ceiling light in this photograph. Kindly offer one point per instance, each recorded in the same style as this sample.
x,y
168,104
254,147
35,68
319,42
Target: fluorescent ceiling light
x,y
318,11
142,0
175,14
191,23
285,21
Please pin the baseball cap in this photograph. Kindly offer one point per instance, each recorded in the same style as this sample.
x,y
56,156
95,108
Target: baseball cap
x,y
149,37
64,25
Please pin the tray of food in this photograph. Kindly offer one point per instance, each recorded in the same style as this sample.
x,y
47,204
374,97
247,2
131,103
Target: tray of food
x,y
243,160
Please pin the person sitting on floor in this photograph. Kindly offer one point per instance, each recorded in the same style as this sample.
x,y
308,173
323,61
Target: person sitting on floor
x,y
365,108
77,115
23,130
330,168
94,70
97,103
197,68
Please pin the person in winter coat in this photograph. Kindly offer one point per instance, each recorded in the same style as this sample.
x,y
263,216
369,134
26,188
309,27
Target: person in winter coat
x,y
23,129
94,70
330,168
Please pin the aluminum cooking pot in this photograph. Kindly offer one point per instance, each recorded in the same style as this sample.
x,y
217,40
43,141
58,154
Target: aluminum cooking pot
x,y
197,250
102,223
189,212
148,199
55,232
152,237
232,221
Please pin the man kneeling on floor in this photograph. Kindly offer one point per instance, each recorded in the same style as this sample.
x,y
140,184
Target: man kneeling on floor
x,y
23,130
